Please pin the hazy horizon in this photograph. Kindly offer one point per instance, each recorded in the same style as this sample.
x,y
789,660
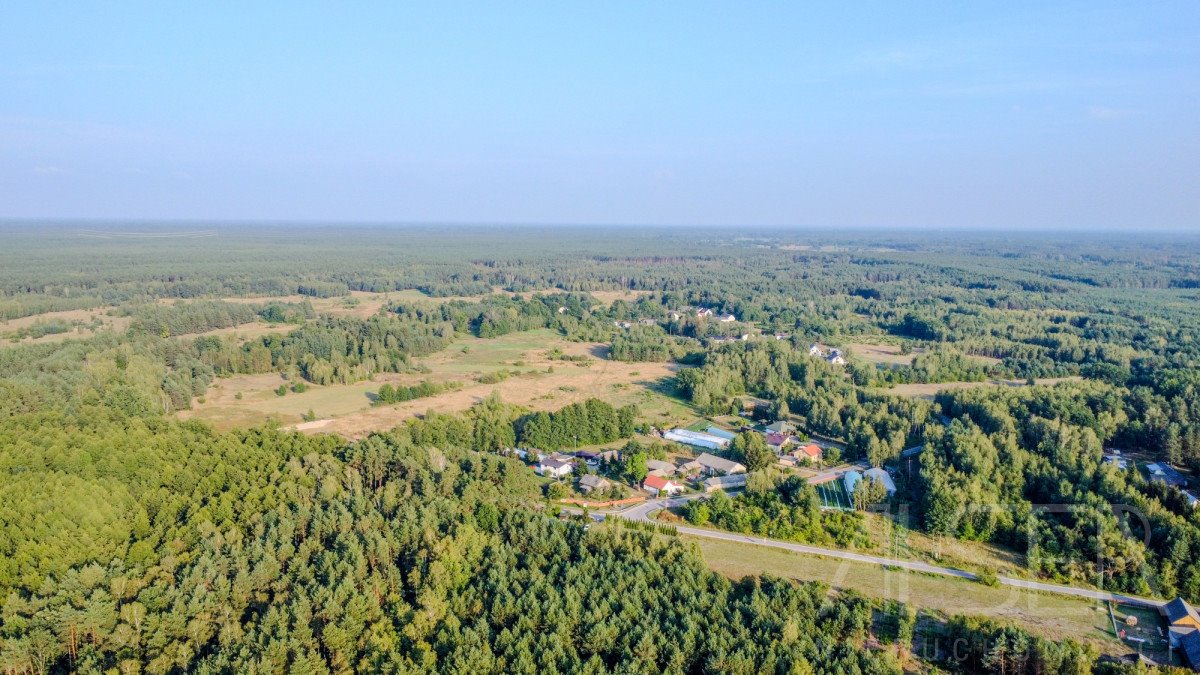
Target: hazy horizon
x,y
990,116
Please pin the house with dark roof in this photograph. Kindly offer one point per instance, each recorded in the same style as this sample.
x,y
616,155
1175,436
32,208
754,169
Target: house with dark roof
x,y
781,427
719,466
1189,649
591,482
1179,613
657,467
555,468
1183,625
778,442
725,482
1165,473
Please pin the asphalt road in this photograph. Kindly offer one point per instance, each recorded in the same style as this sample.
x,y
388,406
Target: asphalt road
x,y
642,512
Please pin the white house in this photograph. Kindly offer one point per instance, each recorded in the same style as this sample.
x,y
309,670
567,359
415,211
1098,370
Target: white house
x,y
659,486
703,313
554,468
727,318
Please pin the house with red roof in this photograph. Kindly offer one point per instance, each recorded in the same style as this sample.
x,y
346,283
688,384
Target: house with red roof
x,y
812,452
661,486
777,441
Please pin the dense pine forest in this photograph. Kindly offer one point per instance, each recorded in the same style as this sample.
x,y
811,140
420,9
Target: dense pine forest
x,y
133,540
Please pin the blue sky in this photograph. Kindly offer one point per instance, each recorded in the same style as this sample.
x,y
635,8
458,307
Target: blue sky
x,y
963,114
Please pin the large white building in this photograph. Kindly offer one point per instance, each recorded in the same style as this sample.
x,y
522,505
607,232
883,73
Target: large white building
x,y
697,439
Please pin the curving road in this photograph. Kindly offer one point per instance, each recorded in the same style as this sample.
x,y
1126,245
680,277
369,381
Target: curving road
x,y
642,512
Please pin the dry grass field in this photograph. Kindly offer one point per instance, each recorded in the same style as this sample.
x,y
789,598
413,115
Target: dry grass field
x,y
83,322
890,354
360,304
536,382
609,297
246,331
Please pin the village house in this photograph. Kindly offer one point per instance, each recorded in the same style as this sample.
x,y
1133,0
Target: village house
x,y
719,466
811,452
690,469
590,459
815,350
703,313
1117,460
781,427
725,482
659,486
1165,473
778,442
554,468
657,467
727,318
591,483
1183,624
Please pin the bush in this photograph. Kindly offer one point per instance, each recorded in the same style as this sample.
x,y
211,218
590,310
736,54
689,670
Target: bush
x,y
987,578
555,491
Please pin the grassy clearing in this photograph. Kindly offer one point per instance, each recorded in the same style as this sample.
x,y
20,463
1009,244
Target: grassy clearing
x,y
535,381
609,297
78,323
882,353
1055,617
361,304
247,331
889,354
260,403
